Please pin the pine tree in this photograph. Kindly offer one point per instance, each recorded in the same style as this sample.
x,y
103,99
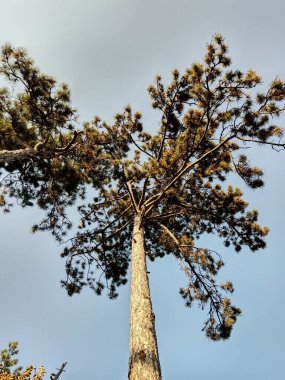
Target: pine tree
x,y
157,193
37,130
8,360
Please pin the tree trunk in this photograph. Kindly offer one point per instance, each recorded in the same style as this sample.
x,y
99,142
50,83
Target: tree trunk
x,y
144,360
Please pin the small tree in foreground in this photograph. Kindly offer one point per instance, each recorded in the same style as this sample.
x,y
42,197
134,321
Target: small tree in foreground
x,y
8,360
157,194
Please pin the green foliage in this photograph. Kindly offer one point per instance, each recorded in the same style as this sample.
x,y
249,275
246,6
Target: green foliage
x,y
37,128
8,358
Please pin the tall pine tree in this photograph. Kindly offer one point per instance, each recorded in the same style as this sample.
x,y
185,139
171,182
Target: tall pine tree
x,y
156,193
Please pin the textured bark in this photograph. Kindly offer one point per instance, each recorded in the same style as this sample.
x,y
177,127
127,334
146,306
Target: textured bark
x,y
39,149
17,154
144,360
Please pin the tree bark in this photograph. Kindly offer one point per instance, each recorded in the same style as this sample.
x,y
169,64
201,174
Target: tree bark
x,y
17,154
144,360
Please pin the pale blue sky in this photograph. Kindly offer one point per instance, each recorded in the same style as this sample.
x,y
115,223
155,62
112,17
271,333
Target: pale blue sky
x,y
109,51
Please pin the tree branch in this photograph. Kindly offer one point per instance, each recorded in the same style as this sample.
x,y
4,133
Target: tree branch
x,y
153,200
37,150
198,276
143,193
69,145
263,142
17,154
130,190
166,215
55,376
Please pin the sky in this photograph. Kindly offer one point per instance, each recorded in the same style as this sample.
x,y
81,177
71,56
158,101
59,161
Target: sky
x,y
109,51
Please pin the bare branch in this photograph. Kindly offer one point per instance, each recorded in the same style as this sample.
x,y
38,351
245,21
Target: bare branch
x,y
130,190
271,143
55,376
143,193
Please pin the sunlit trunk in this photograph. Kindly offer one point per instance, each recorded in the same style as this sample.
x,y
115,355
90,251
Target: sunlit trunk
x,y
144,360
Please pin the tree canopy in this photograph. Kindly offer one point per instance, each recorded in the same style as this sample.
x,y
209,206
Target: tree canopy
x,y
175,178
37,128
174,181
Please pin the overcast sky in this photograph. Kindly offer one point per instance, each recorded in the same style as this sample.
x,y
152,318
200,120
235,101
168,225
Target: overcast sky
x,y
109,51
